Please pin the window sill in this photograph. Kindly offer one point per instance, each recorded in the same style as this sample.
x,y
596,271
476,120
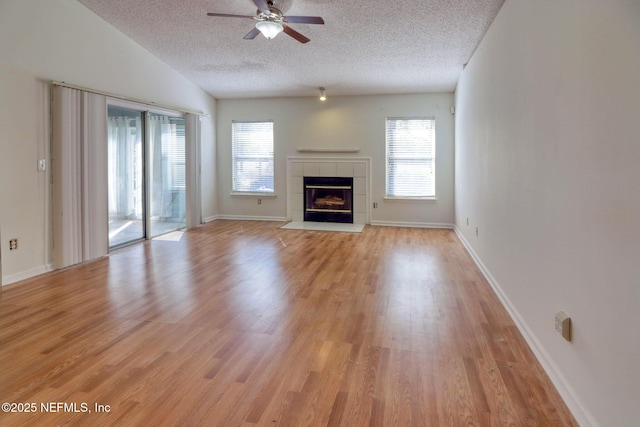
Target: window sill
x,y
252,194
411,199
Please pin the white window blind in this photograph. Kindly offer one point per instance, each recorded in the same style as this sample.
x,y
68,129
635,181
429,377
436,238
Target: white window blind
x,y
411,155
252,156
176,154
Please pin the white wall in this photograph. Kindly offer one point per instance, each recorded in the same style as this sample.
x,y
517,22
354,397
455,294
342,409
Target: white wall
x,y
548,169
346,121
42,40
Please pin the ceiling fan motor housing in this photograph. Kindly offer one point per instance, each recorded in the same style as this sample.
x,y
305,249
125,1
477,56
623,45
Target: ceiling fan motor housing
x,y
274,16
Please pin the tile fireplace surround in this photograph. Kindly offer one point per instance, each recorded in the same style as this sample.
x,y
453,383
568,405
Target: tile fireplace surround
x,y
358,168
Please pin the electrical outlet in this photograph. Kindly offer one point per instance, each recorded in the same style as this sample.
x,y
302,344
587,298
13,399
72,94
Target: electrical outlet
x,y
13,244
259,201
476,231
375,205
563,325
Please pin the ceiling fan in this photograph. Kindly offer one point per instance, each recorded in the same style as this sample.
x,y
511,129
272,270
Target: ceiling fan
x,y
272,22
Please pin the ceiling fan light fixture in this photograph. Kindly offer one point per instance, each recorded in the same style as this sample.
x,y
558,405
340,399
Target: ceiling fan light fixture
x,y
323,94
269,29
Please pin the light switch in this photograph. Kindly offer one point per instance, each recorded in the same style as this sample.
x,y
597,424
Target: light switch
x,y
563,325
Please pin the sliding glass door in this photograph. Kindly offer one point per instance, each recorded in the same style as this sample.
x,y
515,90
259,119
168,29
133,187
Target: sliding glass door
x,y
147,174
167,171
126,175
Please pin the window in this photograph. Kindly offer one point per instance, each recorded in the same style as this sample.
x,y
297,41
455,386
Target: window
x,y
252,144
411,155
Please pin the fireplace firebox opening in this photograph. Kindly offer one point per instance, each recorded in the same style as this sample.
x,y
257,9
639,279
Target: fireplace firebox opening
x,y
328,199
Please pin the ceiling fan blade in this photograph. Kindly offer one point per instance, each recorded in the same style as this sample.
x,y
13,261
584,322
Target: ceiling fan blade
x,y
227,15
296,35
252,34
262,6
303,19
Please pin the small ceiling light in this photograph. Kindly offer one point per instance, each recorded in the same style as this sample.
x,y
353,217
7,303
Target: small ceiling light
x,y
323,94
269,29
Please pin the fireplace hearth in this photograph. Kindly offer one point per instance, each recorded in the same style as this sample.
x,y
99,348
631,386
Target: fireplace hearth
x,y
328,199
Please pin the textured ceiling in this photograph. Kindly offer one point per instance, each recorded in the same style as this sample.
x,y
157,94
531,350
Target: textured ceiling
x,y
365,47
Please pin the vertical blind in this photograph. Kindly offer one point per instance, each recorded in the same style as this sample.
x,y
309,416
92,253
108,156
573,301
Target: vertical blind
x,y
79,173
252,156
411,152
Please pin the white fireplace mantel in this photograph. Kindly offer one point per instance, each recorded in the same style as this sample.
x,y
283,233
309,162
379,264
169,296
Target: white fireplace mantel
x,y
328,150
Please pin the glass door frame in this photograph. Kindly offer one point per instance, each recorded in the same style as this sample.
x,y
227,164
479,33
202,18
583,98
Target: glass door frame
x,y
146,156
148,164
135,109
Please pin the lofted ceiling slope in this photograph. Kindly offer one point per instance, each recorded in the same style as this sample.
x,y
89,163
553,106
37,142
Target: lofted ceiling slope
x,y
364,47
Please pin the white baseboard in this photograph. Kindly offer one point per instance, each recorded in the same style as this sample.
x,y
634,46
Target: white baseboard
x,y
579,412
211,218
411,224
28,274
253,218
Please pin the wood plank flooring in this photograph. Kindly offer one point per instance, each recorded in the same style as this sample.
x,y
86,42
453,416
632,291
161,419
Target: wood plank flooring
x,y
244,324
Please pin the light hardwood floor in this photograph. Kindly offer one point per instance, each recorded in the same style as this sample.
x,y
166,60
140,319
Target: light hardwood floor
x,y
242,323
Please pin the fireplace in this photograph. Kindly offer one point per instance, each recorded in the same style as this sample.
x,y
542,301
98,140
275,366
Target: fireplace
x,y
328,199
